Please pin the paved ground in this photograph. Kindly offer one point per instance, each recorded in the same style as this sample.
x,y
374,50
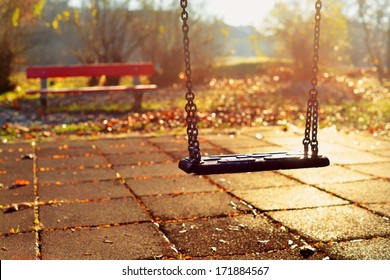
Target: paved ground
x,y
126,199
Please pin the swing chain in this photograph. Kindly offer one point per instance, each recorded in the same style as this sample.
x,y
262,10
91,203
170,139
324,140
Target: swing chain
x,y
312,104
191,109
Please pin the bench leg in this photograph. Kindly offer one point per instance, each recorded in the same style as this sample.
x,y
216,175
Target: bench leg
x,y
43,101
137,105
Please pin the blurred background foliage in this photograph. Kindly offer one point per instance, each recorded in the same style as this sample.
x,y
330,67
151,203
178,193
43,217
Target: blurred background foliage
x,y
355,33
244,75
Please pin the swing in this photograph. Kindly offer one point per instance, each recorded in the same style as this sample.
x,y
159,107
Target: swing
x,y
237,163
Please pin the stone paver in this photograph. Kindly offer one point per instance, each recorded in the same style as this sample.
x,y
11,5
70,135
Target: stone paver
x,y
71,162
288,197
22,220
17,194
122,146
383,209
136,159
374,249
126,198
155,170
368,191
227,236
115,243
333,174
18,247
345,155
245,181
64,150
75,175
288,254
11,171
172,185
170,207
230,142
334,223
91,213
15,151
83,191
378,169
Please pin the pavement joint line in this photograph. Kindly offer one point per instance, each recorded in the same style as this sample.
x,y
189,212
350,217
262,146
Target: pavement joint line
x,y
37,222
76,182
180,194
146,163
94,227
364,173
80,201
204,218
6,234
351,202
304,208
147,177
363,206
163,150
140,203
221,188
81,167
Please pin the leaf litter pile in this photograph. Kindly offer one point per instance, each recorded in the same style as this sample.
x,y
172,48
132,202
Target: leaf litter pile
x,y
355,101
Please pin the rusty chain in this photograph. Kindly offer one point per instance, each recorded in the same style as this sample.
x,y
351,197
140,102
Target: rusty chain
x,y
191,109
312,104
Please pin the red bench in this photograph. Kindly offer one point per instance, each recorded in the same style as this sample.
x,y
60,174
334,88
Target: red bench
x,y
136,70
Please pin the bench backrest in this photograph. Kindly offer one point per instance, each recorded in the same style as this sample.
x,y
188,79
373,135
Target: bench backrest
x,y
90,70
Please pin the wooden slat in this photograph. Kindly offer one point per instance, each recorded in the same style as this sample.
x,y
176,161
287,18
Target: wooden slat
x,y
97,89
90,70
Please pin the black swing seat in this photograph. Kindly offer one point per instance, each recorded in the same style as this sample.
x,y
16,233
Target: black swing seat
x,y
237,163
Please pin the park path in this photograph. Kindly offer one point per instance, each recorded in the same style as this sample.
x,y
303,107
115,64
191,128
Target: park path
x,y
125,198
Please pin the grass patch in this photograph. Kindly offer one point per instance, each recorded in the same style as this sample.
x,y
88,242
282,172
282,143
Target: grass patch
x,y
76,128
91,107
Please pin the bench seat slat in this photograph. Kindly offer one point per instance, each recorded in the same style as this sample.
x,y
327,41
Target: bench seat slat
x,y
90,70
94,89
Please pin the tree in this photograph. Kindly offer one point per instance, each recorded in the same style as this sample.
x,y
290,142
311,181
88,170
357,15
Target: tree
x,y
107,31
164,47
374,17
291,22
17,19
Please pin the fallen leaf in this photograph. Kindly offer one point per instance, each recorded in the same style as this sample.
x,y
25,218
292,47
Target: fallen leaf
x,y
307,251
28,156
20,183
14,207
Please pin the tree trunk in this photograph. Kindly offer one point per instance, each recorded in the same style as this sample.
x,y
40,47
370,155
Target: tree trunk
x,y
6,58
388,51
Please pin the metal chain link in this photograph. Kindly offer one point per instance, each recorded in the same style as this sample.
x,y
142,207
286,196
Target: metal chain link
x,y
191,109
312,104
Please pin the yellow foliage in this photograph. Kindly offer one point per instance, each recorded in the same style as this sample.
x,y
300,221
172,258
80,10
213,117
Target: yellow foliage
x,y
15,17
37,8
161,29
55,24
94,12
66,15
